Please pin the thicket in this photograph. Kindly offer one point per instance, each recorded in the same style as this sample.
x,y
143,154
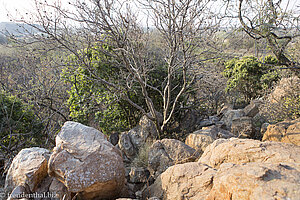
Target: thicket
x,y
249,77
19,127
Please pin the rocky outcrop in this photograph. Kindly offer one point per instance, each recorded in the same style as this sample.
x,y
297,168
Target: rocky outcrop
x,y
287,132
200,139
29,168
167,152
185,181
256,181
195,181
86,163
240,151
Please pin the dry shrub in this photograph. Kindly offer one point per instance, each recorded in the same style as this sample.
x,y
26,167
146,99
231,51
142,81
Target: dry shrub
x,y
283,103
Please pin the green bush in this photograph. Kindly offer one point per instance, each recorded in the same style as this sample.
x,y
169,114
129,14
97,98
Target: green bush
x,y
250,76
91,102
18,126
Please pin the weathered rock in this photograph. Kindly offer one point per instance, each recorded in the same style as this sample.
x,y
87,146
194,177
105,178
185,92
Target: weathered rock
x,y
59,190
230,115
287,132
184,181
167,152
19,192
200,139
239,151
138,175
86,163
256,181
242,127
130,142
126,146
28,167
253,108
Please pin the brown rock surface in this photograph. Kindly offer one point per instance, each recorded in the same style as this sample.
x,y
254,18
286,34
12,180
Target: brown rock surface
x,y
200,139
191,181
86,163
287,132
167,152
252,181
28,167
239,151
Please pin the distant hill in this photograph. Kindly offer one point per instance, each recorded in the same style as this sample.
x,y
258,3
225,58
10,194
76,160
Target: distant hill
x,y
16,29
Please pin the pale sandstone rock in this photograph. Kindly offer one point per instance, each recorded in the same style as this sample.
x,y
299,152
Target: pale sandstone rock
x,y
254,181
239,151
167,152
191,181
287,132
28,167
200,139
86,163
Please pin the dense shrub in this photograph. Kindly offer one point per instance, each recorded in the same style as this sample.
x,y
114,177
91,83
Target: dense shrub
x,y
18,126
92,103
249,76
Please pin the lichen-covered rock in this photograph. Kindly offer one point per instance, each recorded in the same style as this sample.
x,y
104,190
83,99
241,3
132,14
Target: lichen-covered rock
x,y
200,139
167,152
243,127
28,167
287,132
191,181
240,151
256,181
86,163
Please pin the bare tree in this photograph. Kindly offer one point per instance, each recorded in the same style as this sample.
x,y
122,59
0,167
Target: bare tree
x,y
276,21
183,28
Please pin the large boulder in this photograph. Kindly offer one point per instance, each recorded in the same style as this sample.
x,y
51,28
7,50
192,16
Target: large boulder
x,y
256,181
191,181
200,139
29,167
86,163
287,131
195,181
240,151
167,152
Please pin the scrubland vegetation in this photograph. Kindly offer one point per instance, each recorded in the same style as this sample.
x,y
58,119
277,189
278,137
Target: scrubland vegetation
x,y
100,63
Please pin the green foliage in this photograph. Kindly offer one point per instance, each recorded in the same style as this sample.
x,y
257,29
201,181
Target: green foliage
x,y
18,126
89,99
249,76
